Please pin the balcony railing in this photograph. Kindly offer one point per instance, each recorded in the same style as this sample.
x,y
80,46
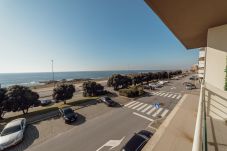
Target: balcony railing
x,y
210,130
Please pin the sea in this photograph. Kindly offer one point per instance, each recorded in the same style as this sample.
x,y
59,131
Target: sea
x,y
31,79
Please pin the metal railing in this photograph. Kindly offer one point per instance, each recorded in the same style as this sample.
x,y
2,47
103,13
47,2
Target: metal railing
x,y
200,135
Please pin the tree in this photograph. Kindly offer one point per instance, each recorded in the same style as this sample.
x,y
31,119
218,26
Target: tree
x,y
63,92
92,88
119,81
19,98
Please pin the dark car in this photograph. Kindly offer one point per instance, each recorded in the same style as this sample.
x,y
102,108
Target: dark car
x,y
45,102
68,114
107,101
137,142
193,78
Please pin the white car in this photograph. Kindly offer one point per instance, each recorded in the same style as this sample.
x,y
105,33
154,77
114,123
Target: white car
x,y
12,133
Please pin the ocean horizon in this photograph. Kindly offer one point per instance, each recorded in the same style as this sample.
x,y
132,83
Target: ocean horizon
x,y
36,78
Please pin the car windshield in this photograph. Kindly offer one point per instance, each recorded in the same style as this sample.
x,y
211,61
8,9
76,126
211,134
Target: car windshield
x,y
68,111
11,130
134,143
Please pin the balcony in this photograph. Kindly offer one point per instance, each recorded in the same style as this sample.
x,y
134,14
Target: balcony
x,y
211,127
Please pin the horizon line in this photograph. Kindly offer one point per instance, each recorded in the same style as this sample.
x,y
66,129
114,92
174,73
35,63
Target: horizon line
x,y
92,71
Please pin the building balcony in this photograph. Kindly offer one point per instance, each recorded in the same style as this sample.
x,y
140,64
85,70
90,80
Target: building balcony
x,y
198,123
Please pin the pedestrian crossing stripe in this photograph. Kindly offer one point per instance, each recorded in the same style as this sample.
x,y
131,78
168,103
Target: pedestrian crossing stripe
x,y
133,104
164,113
174,96
144,110
167,94
152,110
147,109
130,103
179,97
157,112
143,106
137,105
162,94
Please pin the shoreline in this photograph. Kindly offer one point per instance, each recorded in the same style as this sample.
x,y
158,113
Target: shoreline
x,y
50,84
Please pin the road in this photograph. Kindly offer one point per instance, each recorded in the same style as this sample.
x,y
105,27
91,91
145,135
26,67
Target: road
x,y
116,125
91,135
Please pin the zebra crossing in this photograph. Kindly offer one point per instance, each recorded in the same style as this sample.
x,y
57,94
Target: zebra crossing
x,y
147,109
168,94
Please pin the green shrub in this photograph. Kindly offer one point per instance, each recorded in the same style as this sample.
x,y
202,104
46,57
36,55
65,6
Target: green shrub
x,y
132,92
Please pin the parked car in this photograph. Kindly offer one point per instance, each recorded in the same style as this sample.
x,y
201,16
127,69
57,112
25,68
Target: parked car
x,y
45,102
12,133
146,86
190,86
175,78
152,86
137,142
194,77
108,101
37,103
68,114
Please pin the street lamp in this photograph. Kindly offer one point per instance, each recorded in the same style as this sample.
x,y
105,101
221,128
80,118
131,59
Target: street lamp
x,y
52,68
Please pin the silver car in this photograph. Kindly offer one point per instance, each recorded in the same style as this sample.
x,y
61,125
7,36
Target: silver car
x,y
12,133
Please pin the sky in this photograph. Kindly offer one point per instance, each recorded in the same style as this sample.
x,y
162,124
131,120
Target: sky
x,y
84,35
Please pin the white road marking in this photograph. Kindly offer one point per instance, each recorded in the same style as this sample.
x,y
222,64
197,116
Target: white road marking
x,y
137,105
143,106
162,94
144,110
130,103
157,112
166,94
147,118
178,97
152,110
164,113
169,95
111,143
133,104
174,96
154,93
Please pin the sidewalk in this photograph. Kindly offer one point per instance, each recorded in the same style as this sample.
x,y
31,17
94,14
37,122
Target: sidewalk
x,y
177,131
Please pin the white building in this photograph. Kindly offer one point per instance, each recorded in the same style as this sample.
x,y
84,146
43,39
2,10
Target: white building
x,y
201,62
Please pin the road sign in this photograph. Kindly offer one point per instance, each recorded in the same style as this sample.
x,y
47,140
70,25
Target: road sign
x,y
157,105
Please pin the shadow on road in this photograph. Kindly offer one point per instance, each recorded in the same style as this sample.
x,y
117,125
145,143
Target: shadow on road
x,y
80,120
31,134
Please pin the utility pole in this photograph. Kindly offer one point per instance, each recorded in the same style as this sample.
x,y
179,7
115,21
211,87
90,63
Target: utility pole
x,y
52,68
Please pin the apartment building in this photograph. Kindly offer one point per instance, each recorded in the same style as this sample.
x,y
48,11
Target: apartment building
x,y
199,24
201,63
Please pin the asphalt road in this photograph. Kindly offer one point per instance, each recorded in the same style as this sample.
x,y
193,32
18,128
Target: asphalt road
x,y
114,125
117,125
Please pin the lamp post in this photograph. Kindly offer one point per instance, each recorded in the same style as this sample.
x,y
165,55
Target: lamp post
x,y
52,69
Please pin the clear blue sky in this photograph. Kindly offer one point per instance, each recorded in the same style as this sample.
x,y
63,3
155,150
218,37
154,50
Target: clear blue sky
x,y
86,35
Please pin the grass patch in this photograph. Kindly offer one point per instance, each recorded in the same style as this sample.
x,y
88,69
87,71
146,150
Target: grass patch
x,y
47,109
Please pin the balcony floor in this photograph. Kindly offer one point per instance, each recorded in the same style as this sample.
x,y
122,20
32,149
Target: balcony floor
x,y
216,134
177,131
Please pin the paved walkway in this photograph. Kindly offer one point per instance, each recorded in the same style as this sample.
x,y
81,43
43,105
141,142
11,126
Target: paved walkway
x,y
177,131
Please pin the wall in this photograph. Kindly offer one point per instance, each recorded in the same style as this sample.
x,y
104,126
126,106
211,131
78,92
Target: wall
x,y
215,96
216,56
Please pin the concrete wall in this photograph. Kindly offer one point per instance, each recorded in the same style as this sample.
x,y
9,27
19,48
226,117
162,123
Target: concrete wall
x,y
215,96
216,56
